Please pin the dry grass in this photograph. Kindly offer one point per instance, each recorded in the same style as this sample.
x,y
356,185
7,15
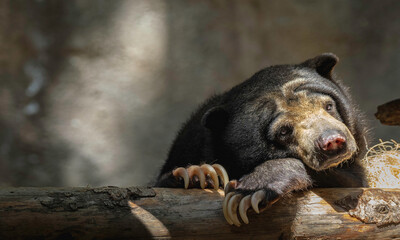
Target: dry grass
x,y
383,165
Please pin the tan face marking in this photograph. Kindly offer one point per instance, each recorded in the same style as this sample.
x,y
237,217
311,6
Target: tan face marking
x,y
309,115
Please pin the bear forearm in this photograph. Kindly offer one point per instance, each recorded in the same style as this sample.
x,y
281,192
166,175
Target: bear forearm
x,y
280,176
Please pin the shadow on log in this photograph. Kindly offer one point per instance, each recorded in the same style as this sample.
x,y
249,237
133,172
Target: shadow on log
x,y
143,213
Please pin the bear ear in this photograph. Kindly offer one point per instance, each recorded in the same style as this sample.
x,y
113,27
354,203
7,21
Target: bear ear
x,y
323,64
215,118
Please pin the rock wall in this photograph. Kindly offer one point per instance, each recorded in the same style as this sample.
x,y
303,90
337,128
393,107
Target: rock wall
x,y
93,92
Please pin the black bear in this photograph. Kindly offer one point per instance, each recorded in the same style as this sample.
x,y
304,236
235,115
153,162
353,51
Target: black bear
x,y
275,133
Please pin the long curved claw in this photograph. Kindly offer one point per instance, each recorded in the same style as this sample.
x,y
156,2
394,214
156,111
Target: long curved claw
x,y
196,170
221,173
256,199
225,206
209,170
232,209
181,172
245,204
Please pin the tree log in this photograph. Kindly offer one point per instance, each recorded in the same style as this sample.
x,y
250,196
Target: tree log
x,y
143,213
389,113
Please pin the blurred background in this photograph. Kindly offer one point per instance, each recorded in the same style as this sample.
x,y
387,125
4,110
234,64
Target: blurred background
x,y
94,92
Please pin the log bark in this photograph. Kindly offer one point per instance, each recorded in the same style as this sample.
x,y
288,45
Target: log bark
x,y
145,213
389,113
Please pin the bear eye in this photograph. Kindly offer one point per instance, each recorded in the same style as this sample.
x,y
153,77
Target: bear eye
x,y
284,131
329,107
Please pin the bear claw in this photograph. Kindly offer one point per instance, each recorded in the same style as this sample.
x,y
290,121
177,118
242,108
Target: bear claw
x,y
221,173
201,172
181,172
232,208
235,203
209,170
244,205
225,205
197,171
256,199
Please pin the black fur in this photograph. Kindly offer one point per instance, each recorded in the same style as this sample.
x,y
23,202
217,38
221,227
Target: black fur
x,y
232,129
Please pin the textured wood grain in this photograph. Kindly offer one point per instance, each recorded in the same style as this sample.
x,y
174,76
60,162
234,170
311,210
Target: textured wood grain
x,y
389,113
143,213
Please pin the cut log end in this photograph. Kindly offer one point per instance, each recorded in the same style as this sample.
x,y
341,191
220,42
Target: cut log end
x,y
389,113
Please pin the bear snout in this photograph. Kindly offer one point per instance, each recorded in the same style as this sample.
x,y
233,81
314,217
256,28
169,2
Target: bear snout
x,y
331,144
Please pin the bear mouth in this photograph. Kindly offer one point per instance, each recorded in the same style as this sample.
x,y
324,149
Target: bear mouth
x,y
324,162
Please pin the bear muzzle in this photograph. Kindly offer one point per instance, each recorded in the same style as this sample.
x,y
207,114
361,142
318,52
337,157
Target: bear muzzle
x,y
331,142
333,148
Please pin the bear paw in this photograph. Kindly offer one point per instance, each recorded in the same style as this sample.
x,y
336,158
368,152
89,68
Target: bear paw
x,y
241,201
203,176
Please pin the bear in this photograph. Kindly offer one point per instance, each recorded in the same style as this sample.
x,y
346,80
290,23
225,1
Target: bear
x,y
287,128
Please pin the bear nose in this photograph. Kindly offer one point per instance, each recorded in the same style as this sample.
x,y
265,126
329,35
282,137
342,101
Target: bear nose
x,y
331,142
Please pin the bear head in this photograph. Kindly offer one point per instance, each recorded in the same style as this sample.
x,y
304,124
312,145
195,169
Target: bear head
x,y
287,111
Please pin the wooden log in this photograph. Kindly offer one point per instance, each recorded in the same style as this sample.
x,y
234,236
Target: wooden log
x,y
389,113
145,213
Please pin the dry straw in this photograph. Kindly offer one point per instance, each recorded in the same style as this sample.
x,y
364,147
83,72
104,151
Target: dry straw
x,y
383,165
